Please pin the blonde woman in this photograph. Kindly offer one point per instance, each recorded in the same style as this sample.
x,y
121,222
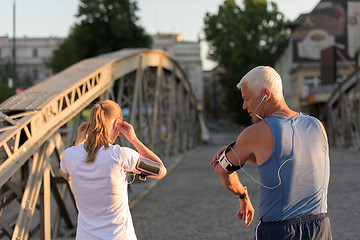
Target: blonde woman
x,y
97,170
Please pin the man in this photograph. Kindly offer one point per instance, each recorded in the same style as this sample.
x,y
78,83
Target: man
x,y
292,155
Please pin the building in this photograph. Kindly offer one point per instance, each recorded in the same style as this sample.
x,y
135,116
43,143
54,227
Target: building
x,y
320,53
187,54
31,56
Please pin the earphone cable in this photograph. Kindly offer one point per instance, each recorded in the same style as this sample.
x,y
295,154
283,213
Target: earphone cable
x,y
278,173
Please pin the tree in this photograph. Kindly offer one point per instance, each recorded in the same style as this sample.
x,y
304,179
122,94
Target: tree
x,y
104,26
5,92
241,38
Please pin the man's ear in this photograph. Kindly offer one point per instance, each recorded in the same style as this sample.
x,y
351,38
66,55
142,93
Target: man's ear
x,y
267,94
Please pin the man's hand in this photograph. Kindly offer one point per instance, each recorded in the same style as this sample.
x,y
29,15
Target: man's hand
x,y
216,156
246,211
81,134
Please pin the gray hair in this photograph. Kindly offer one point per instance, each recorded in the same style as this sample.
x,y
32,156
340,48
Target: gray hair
x,y
262,77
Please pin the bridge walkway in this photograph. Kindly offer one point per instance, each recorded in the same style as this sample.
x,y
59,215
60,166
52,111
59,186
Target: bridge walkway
x,y
190,202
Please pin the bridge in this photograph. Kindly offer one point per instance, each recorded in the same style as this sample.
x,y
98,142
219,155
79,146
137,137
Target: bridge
x,y
149,86
342,113
156,97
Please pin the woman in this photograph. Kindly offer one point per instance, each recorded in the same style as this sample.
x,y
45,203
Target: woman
x,y
97,170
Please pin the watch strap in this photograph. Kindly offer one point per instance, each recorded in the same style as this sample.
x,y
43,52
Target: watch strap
x,y
244,195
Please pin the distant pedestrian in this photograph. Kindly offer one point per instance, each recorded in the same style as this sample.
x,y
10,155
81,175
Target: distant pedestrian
x,y
292,154
97,170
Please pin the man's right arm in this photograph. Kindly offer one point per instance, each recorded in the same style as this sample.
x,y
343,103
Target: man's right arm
x,y
238,154
231,182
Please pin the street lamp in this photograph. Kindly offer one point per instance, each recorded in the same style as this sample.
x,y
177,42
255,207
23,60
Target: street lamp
x,y
14,51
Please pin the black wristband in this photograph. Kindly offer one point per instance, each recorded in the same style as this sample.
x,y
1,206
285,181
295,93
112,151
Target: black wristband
x,y
244,195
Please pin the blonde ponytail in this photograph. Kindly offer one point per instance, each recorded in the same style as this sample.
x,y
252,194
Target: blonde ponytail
x,y
98,128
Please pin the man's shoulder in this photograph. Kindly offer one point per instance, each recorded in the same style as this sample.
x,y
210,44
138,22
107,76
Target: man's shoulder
x,y
310,118
257,127
256,131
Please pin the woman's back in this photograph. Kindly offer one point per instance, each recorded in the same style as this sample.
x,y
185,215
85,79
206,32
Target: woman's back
x,y
97,170
100,190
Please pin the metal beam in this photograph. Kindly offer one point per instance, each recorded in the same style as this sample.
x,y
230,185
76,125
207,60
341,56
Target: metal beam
x,y
341,114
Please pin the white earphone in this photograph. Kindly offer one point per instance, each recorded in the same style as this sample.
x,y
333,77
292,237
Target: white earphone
x,y
259,105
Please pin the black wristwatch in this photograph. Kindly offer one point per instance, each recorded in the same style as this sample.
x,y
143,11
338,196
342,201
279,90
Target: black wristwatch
x,y
244,195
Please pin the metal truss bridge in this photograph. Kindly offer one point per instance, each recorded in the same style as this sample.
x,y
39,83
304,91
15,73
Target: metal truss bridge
x,y
342,114
155,96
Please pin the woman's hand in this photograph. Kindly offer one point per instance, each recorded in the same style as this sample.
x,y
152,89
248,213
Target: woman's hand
x,y
81,134
127,130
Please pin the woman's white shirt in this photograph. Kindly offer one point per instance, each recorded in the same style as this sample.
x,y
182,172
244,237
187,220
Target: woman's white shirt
x,y
100,190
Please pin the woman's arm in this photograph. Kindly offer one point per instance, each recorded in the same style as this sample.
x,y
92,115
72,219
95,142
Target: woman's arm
x,y
81,134
65,175
127,130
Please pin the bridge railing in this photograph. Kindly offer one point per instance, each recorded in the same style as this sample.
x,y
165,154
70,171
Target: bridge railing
x,y
149,86
341,115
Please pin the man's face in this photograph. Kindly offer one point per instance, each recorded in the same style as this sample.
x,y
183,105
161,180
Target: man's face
x,y
251,101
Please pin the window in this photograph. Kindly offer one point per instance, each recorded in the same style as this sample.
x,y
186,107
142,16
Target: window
x,y
35,74
310,83
35,53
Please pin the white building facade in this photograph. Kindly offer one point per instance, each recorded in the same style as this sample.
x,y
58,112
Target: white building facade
x,y
31,56
33,53
302,63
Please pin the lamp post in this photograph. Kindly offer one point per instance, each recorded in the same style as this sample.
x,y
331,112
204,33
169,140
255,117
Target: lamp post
x,y
14,51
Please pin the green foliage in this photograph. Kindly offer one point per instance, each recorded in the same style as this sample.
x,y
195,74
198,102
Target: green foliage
x,y
104,26
5,73
241,38
5,92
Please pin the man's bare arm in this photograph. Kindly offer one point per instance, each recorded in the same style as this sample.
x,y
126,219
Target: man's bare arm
x,y
231,182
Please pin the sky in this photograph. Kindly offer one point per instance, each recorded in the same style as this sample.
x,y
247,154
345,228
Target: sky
x,y
45,18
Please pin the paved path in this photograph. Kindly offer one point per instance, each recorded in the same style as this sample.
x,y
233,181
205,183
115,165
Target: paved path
x,y
190,202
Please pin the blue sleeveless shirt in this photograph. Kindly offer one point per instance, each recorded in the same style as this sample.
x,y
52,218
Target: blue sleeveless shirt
x,y
300,157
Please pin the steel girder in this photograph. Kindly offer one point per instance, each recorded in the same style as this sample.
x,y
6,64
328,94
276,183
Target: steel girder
x,y
342,113
155,96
